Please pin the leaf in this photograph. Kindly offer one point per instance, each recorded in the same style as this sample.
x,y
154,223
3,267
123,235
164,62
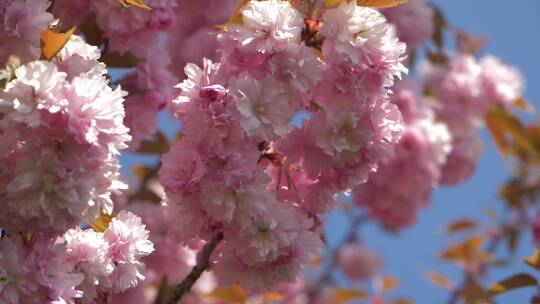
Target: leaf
x,y
402,301
102,222
381,3
522,104
440,24
157,145
316,261
387,284
273,296
8,73
343,295
463,251
91,31
516,281
234,293
117,60
468,44
52,42
136,3
533,261
503,125
331,3
461,224
440,280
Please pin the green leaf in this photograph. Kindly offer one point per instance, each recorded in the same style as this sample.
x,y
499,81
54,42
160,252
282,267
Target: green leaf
x,y
516,281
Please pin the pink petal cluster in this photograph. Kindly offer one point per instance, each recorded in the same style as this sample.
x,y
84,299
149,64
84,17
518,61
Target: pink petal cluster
x,y
151,88
414,170
464,89
21,23
413,21
81,265
241,167
357,261
134,30
192,36
61,136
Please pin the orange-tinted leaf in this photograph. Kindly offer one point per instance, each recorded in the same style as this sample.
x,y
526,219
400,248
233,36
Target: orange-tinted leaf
x,y
402,301
102,222
463,250
439,279
140,172
381,3
469,44
52,42
273,296
342,295
522,104
234,294
533,261
387,284
316,261
504,124
117,60
440,25
158,145
91,31
461,224
136,3
516,281
331,3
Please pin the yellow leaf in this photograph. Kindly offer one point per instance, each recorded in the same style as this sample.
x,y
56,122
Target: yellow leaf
x,y
316,261
439,279
102,222
522,104
234,293
273,296
402,301
52,42
533,261
503,124
381,3
331,3
136,3
342,295
461,224
388,283
516,281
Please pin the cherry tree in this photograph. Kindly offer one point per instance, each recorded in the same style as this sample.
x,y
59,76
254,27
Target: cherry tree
x,y
289,110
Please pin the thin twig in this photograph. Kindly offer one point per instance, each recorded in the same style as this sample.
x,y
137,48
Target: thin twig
x,y
185,286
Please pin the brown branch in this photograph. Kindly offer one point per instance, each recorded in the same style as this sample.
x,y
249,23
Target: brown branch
x,y
185,286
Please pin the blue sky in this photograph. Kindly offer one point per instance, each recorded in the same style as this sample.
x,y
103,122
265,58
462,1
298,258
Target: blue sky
x,y
512,28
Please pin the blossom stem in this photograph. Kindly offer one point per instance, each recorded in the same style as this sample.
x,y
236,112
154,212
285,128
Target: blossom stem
x,y
185,286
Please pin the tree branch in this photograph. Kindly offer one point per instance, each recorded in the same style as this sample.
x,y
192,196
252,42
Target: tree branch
x,y
185,286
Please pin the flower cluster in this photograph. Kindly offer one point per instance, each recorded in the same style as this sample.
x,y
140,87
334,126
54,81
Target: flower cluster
x,y
413,22
464,90
21,22
416,167
61,133
241,167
